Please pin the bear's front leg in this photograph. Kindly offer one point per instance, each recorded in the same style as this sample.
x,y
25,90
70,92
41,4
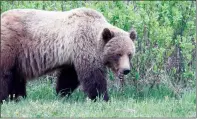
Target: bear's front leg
x,y
94,84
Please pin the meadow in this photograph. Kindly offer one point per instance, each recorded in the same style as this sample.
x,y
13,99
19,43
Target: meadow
x,y
162,82
42,101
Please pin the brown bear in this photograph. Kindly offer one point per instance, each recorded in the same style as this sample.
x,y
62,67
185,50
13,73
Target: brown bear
x,y
80,44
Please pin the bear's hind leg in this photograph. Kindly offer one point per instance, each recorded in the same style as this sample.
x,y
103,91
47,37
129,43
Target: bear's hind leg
x,y
6,80
18,86
67,81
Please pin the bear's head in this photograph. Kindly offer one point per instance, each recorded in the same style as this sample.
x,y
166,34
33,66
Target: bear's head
x,y
118,50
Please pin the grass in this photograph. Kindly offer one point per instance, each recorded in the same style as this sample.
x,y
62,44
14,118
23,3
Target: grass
x,y
43,102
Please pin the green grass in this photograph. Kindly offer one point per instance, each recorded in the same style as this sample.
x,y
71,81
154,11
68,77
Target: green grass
x,y
43,102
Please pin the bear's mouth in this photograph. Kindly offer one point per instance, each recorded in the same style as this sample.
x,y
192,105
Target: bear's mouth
x,y
120,76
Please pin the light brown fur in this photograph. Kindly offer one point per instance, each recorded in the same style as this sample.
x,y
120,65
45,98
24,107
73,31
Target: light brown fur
x,y
36,42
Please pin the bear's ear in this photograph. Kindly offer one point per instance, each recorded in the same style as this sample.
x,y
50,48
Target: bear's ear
x,y
133,34
107,35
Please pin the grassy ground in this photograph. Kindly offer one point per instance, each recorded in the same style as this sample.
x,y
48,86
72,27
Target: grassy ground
x,y
42,102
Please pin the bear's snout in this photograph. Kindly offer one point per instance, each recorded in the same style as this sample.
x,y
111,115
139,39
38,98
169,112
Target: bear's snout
x,y
126,71
124,65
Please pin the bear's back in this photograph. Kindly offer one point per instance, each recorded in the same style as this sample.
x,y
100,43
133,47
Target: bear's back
x,y
78,14
38,22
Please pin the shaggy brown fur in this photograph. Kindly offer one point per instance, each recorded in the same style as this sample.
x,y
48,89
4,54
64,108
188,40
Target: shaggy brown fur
x,y
79,43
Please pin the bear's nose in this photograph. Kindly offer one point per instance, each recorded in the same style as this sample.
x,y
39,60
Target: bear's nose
x,y
126,71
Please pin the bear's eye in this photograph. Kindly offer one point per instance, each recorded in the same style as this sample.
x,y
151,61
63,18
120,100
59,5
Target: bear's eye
x,y
118,56
129,55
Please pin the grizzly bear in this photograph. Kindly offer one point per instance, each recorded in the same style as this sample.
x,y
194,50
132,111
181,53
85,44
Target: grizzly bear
x,y
80,44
